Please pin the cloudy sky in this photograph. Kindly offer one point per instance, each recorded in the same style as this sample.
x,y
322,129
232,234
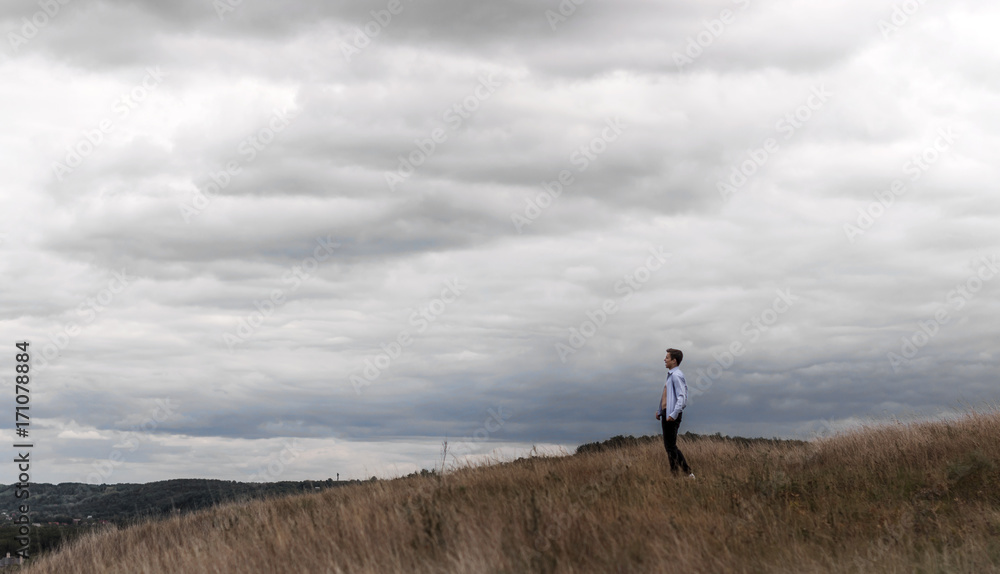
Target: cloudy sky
x,y
266,241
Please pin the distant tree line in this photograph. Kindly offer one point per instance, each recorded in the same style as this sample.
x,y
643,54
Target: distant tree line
x,y
621,441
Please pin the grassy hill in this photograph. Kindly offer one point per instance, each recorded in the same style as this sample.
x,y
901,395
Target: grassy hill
x,y
920,497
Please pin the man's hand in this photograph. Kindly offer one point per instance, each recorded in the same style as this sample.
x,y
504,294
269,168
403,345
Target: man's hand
x,y
657,415
670,419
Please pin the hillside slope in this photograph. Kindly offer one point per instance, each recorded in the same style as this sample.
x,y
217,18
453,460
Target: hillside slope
x,y
895,498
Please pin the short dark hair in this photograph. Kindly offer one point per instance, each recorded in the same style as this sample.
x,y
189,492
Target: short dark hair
x,y
676,355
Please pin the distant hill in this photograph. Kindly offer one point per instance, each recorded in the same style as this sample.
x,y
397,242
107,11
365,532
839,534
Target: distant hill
x,y
121,503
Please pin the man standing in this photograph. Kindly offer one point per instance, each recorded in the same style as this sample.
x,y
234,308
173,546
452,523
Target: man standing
x,y
672,404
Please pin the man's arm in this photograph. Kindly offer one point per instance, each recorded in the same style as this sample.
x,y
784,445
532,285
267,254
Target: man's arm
x,y
681,393
663,402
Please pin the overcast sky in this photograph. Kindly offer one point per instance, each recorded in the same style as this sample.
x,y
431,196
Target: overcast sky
x,y
275,241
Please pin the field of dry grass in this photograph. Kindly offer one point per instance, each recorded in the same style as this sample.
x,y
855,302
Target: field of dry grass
x,y
919,497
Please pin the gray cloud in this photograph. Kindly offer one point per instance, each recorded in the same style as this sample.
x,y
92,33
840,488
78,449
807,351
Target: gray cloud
x,y
233,308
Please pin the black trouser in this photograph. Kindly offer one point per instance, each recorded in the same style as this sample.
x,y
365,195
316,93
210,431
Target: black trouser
x,y
670,443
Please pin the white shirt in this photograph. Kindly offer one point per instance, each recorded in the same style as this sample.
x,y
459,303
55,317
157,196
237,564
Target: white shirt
x,y
677,392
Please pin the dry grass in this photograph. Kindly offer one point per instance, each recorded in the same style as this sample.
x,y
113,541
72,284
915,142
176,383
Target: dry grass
x,y
920,497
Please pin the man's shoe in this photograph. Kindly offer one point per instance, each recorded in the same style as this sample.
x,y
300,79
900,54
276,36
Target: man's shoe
x,y
691,475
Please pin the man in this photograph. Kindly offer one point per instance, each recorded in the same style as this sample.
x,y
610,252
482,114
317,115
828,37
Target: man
x,y
671,409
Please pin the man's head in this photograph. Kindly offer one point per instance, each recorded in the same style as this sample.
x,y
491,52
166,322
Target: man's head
x,y
673,358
